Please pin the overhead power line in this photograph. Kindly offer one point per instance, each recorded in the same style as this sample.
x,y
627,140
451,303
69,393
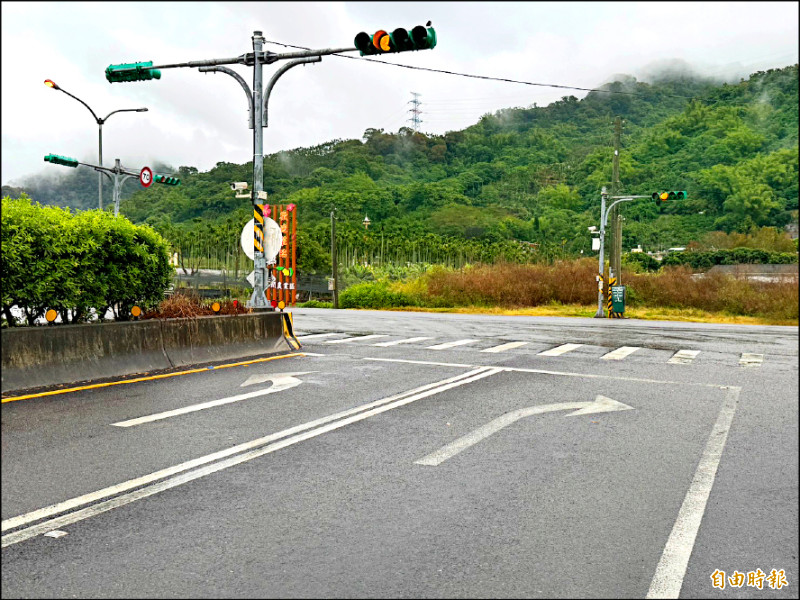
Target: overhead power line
x,y
485,77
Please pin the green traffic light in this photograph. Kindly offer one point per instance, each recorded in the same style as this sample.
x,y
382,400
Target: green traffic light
x,y
680,195
61,160
166,180
132,72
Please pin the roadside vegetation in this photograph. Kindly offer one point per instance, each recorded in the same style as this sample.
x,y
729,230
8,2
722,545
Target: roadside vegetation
x,y
568,288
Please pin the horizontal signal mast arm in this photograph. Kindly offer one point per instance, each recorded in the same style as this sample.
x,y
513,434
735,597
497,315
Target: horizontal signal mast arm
x,y
247,59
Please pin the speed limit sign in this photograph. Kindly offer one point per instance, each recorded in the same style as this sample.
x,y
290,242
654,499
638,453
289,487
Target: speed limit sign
x,y
146,176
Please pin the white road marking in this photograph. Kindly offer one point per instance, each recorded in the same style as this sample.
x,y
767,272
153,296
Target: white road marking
x,y
620,353
561,373
600,404
671,568
359,338
560,350
181,473
274,377
683,357
451,344
314,335
751,360
280,383
55,534
504,347
406,341
423,362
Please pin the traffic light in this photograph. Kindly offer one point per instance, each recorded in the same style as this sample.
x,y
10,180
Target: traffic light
x,y
399,40
660,197
166,180
61,160
132,72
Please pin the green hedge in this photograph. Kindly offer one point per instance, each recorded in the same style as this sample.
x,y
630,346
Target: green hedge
x,y
736,256
373,294
76,263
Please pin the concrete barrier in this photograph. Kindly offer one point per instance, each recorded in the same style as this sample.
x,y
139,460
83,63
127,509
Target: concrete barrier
x,y
43,356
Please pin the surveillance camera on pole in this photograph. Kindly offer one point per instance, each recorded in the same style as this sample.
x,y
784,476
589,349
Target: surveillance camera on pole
x,y
240,186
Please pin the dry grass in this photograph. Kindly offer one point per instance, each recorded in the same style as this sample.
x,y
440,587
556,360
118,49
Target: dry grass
x,y
569,288
181,306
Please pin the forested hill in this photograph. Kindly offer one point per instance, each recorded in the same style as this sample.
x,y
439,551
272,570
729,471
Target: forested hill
x,y
534,174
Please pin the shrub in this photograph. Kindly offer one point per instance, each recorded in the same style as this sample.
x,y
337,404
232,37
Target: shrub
x,y
373,295
78,264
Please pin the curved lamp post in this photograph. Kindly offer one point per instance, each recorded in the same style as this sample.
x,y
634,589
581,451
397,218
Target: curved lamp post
x,y
52,84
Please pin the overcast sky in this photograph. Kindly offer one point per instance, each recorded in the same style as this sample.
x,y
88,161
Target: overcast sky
x,y
199,119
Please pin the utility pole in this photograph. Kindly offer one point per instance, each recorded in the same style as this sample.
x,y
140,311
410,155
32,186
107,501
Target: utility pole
x,y
334,260
415,111
615,257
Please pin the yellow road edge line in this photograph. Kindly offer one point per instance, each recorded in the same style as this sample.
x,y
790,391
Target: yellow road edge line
x,y
138,379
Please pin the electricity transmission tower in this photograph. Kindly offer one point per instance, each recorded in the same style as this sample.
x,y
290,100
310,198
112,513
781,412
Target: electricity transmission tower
x,y
415,111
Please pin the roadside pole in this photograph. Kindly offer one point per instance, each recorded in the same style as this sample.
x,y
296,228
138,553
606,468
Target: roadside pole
x,y
334,261
600,314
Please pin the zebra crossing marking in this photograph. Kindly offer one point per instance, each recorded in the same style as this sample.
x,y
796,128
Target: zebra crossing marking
x,y
751,360
504,347
451,344
620,353
406,341
357,338
563,349
683,357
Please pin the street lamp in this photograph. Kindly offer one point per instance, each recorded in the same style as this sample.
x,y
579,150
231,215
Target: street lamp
x,y
52,84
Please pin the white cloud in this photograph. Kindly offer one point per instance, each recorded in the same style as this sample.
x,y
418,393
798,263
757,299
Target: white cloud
x,y
201,119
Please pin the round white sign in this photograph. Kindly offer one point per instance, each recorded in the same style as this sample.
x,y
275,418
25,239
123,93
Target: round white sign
x,y
247,239
146,176
273,239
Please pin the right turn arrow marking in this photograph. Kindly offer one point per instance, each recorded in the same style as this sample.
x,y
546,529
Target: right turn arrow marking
x,y
598,405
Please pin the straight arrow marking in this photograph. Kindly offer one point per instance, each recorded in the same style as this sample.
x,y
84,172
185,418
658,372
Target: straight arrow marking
x,y
600,404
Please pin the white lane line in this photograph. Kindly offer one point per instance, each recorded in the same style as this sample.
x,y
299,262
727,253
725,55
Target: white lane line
x,y
314,335
406,341
423,362
504,347
620,353
563,373
359,338
683,357
345,416
560,350
451,344
751,360
671,568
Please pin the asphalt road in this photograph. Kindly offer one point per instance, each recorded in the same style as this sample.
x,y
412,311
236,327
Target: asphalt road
x,y
442,456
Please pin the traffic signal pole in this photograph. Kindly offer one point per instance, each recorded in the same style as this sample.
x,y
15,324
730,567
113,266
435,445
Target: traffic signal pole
x,y
258,99
399,40
604,213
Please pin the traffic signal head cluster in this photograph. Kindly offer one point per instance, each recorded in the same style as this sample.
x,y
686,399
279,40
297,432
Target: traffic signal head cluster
x,y
61,160
399,40
660,197
132,72
166,180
